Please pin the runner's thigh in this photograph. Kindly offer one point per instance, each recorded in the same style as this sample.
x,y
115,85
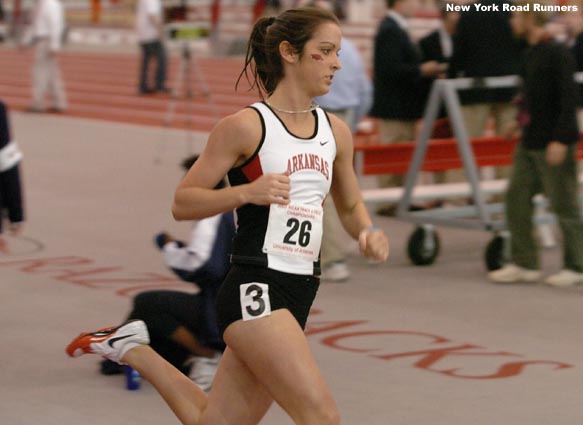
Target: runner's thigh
x,y
276,350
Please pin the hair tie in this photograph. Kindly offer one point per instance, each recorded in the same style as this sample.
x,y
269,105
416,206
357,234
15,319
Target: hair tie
x,y
270,20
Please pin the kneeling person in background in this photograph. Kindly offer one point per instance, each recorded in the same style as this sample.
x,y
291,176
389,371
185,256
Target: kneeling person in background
x,y
182,326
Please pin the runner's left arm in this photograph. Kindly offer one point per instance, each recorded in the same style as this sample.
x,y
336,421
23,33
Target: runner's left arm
x,y
348,199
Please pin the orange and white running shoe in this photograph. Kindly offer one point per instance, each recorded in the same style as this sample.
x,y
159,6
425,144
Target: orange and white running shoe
x,y
111,343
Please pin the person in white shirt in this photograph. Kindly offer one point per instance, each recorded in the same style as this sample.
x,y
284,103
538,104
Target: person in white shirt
x,y
45,33
149,27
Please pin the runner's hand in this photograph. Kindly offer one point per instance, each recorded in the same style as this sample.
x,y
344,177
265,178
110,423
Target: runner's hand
x,y
269,189
374,244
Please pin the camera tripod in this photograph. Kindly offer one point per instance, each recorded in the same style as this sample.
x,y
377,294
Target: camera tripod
x,y
183,89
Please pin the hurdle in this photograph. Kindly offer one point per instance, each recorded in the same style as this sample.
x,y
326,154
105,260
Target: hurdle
x,y
425,154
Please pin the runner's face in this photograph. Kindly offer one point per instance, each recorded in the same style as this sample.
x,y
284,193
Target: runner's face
x,y
320,58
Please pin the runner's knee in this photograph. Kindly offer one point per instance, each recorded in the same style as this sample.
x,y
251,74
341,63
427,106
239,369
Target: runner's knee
x,y
319,410
326,415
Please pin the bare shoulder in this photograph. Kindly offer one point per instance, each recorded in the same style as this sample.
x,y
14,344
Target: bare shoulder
x,y
238,133
244,123
342,134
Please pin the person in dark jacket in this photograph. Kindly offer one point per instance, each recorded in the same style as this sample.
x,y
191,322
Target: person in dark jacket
x,y
438,46
545,160
484,46
10,184
397,79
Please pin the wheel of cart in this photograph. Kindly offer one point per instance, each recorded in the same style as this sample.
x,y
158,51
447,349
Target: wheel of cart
x,y
423,246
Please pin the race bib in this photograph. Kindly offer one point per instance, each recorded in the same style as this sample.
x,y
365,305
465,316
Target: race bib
x,y
255,301
294,230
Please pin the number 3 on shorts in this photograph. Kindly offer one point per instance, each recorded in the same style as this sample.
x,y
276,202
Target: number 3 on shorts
x,y
255,300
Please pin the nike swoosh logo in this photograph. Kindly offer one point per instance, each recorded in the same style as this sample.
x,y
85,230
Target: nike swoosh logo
x,y
324,143
119,338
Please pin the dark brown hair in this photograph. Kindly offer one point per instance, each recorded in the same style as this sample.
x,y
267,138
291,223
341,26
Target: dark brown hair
x,y
263,61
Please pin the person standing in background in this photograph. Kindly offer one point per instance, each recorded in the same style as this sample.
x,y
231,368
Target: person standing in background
x,y
438,46
46,34
484,46
397,76
350,99
545,159
150,30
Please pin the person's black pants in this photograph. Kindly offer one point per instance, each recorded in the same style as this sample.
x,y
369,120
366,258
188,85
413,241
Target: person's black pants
x,y
156,51
163,312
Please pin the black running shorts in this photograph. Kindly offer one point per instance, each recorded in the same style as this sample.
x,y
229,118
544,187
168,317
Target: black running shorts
x,y
250,292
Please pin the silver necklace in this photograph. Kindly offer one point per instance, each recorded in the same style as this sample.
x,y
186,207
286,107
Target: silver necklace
x,y
312,107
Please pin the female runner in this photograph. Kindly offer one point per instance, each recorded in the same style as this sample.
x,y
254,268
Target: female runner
x,y
283,156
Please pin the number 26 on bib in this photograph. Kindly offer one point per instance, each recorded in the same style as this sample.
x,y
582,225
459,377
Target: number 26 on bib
x,y
294,230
